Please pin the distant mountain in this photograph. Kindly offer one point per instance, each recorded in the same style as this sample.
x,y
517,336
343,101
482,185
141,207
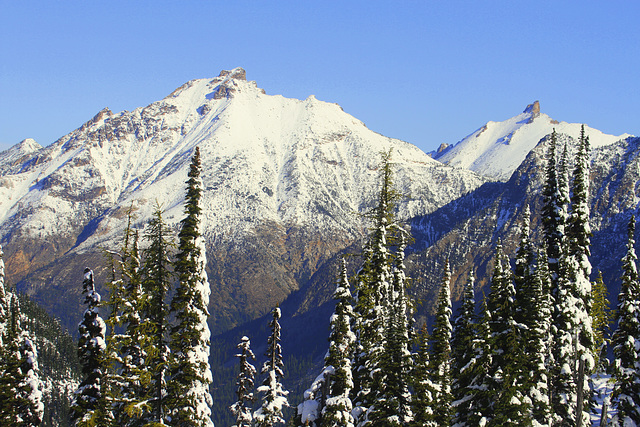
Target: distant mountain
x,y
286,182
498,148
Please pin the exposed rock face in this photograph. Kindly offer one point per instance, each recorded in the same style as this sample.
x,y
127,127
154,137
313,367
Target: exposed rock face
x,y
534,110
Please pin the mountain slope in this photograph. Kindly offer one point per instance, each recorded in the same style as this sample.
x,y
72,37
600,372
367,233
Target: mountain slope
x,y
285,181
498,148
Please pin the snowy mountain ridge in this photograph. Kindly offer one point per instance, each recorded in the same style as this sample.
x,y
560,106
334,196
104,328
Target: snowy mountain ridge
x,y
498,148
284,178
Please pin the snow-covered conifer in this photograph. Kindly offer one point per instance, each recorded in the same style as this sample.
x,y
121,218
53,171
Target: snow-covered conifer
x,y
462,355
20,385
372,291
274,396
441,353
508,362
337,405
626,340
553,211
241,409
4,298
573,342
424,389
482,391
532,317
190,398
91,349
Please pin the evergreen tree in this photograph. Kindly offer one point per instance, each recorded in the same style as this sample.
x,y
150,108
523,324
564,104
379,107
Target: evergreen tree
x,y
4,299
553,211
91,349
274,396
190,371
601,318
156,280
245,382
372,291
572,323
20,385
134,341
337,407
482,391
626,340
424,389
508,362
533,310
393,406
441,353
462,356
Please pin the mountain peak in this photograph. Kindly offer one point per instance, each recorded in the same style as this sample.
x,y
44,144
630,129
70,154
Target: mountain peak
x,y
237,73
533,108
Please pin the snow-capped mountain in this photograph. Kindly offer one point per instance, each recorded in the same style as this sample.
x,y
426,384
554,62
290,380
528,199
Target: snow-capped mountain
x,y
284,179
498,148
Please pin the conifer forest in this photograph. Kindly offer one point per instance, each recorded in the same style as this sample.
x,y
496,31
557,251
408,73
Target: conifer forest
x,y
527,351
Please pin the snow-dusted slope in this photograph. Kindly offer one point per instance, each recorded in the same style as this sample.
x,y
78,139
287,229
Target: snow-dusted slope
x,y
498,148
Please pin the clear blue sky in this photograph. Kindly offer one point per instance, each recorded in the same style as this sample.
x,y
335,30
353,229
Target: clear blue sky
x,y
423,71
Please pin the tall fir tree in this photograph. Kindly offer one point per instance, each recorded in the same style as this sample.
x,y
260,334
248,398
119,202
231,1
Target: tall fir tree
x,y
338,405
462,355
157,275
424,388
626,339
4,299
393,406
20,384
553,210
373,283
483,385
572,323
508,361
532,314
441,353
91,353
190,398
241,409
274,396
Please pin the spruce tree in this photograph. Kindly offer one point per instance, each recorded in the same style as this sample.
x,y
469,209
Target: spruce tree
x,y
91,349
572,323
241,409
274,396
553,211
393,406
338,405
533,311
482,391
190,337
372,290
626,339
20,385
508,361
462,355
441,353
4,299
424,389
156,276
